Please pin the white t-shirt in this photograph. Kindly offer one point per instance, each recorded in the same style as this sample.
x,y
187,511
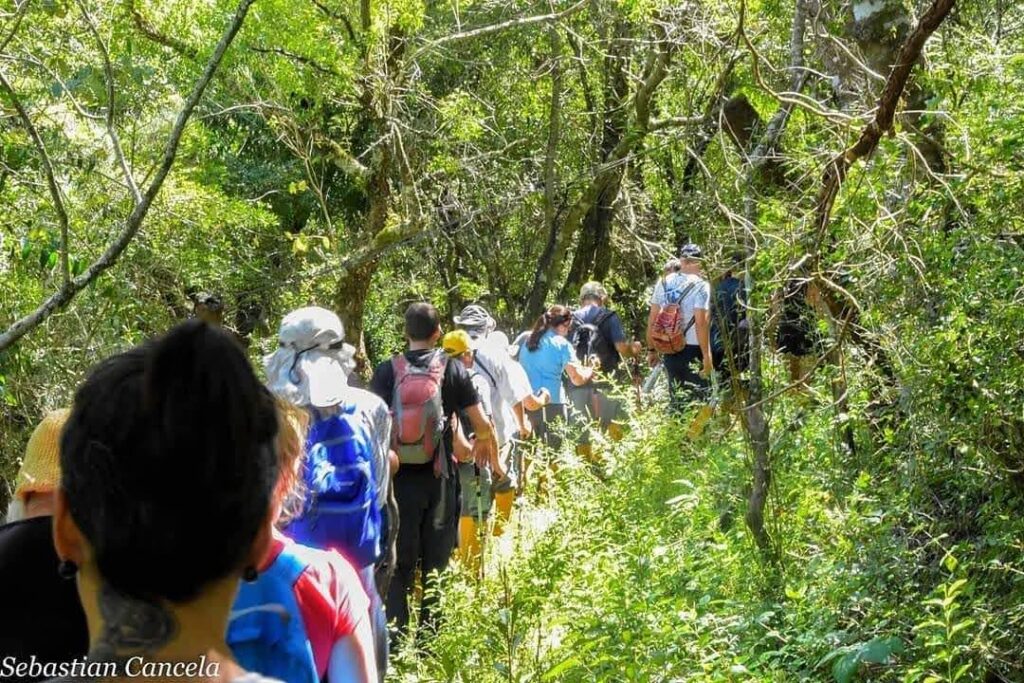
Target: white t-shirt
x,y
696,295
507,382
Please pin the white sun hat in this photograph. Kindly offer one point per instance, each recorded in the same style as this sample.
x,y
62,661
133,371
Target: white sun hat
x,y
312,362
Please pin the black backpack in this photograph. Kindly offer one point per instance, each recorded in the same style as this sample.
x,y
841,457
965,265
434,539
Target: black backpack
x,y
729,325
588,341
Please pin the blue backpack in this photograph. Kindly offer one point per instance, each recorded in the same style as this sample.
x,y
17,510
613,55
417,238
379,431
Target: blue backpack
x,y
266,633
341,511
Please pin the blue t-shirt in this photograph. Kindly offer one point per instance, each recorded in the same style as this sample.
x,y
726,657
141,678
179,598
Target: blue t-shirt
x,y
545,366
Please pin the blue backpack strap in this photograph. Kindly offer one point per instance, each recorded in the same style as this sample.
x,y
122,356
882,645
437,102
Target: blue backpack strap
x,y
266,631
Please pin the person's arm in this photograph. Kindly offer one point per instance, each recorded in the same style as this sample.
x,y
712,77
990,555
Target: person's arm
x,y
702,320
652,315
578,374
538,400
523,423
352,657
484,447
629,349
702,323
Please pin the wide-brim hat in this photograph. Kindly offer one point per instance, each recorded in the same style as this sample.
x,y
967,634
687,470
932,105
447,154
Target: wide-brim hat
x,y
312,362
40,468
475,318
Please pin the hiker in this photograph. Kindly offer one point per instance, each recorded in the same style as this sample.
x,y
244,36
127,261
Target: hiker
x,y
677,328
795,335
729,327
545,355
41,613
474,481
424,391
168,467
510,394
600,343
347,474
324,631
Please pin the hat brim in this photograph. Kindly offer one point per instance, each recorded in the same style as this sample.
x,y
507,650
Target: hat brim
x,y
325,378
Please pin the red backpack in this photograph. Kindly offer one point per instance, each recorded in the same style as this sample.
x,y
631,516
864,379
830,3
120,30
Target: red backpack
x,y
667,332
418,411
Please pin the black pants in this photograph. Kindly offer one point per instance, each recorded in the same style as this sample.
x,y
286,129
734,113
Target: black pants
x,y
685,385
428,513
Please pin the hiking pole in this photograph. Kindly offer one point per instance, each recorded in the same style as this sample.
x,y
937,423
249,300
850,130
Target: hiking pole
x,y
479,518
652,379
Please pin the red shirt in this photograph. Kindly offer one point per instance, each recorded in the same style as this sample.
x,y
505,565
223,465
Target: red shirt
x,y
329,593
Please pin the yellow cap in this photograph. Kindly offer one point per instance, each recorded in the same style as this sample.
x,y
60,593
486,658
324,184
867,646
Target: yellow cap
x,y
40,469
456,343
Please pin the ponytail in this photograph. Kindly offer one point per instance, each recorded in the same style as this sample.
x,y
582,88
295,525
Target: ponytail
x,y
553,317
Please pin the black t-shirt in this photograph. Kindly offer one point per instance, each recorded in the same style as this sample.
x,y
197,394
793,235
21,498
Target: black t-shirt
x,y
41,612
457,390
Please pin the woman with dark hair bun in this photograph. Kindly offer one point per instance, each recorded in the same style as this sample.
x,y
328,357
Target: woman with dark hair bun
x,y
168,465
546,356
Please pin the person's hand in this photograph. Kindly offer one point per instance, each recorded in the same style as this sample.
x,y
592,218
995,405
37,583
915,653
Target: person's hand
x,y
652,358
526,428
709,367
484,453
638,348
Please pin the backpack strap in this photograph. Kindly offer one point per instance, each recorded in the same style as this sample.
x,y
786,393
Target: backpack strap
x,y
483,368
266,630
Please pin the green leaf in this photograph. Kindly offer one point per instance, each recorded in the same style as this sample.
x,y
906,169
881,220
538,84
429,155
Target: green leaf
x,y
845,668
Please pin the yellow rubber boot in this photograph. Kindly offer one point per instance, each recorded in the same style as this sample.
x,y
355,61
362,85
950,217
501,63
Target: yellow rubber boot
x,y
469,544
700,421
503,501
615,431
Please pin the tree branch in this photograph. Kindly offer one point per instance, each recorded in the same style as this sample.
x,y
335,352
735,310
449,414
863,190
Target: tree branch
x,y
18,16
306,61
51,179
131,226
108,72
501,26
147,29
835,172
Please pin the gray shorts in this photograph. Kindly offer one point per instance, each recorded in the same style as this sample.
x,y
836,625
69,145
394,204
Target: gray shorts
x,y
594,404
472,505
511,457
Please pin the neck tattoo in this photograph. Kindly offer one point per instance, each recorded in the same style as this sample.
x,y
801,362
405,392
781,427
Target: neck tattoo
x,y
131,626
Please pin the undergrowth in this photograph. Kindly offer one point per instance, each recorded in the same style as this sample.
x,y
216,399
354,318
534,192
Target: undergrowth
x,y
647,572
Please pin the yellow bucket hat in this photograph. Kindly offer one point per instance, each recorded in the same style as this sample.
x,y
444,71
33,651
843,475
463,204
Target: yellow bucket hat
x,y
40,468
456,343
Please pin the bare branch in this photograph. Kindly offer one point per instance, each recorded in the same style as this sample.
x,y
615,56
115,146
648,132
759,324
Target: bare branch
x,y
51,179
501,26
301,59
131,226
338,16
147,29
18,16
108,72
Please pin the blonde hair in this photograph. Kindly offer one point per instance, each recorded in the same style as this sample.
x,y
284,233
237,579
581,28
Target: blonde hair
x,y
291,454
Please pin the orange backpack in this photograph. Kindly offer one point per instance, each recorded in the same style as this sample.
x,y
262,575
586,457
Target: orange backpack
x,y
667,333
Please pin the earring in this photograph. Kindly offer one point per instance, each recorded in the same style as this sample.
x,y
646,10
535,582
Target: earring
x,y
67,570
249,574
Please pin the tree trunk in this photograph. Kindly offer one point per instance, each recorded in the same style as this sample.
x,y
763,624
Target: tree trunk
x,y
541,285
595,232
